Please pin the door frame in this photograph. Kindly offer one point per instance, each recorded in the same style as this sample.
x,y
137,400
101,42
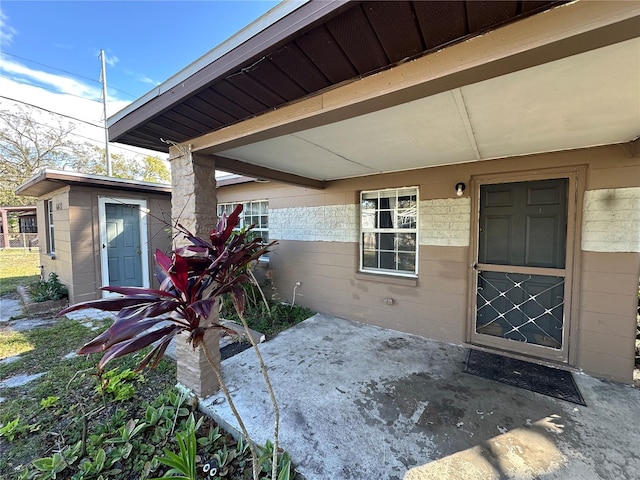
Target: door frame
x,y
102,226
576,175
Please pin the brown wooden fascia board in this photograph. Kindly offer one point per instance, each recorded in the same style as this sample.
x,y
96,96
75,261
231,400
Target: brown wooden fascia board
x,y
561,32
633,148
261,43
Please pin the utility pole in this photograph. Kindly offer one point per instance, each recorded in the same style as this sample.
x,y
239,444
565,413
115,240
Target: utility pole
x,y
103,77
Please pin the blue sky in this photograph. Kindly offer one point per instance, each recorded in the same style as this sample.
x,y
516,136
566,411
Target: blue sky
x,y
49,50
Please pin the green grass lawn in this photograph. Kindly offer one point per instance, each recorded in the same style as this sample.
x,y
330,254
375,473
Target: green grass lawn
x,y
18,267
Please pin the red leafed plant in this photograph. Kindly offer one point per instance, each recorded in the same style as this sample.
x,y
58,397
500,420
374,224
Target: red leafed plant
x,y
191,280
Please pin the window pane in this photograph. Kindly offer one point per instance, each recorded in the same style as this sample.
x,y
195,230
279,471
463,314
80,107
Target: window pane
x,y
407,262
388,260
369,219
369,204
387,241
406,241
369,241
406,219
385,219
370,259
369,195
407,201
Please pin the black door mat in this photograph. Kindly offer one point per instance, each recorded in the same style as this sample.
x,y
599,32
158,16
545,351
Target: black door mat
x,y
232,349
537,378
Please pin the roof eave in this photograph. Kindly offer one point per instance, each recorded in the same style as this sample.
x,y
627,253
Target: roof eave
x,y
56,179
275,26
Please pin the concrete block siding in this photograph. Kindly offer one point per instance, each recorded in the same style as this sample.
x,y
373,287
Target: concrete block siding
x,y
445,222
442,222
329,223
611,220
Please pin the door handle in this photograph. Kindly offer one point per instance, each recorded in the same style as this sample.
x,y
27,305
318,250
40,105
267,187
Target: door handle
x,y
104,246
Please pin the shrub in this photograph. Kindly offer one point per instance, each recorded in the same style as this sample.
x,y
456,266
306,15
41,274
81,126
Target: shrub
x,y
51,289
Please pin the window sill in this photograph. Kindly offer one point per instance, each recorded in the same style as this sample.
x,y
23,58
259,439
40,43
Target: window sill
x,y
380,278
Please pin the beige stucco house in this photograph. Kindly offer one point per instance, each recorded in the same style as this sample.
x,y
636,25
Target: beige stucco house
x,y
97,231
465,171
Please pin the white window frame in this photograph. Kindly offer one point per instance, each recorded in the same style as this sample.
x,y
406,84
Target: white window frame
x,y
228,207
51,243
367,228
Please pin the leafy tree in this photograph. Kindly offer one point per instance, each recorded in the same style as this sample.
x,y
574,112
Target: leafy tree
x,y
26,147
91,159
30,142
155,170
149,169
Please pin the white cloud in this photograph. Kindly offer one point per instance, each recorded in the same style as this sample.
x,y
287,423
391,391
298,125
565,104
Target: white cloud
x,y
7,32
111,60
15,94
60,83
144,79
53,97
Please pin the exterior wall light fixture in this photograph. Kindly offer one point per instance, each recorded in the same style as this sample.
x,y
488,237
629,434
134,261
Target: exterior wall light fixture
x,y
460,188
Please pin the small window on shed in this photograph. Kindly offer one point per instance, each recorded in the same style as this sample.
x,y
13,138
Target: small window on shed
x,y
51,243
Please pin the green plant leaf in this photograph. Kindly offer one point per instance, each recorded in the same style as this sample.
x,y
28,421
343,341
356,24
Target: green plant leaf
x,y
285,472
100,458
43,464
58,463
11,429
50,401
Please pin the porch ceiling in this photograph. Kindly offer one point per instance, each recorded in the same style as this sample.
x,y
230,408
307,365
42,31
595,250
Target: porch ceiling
x,y
581,101
297,50
343,89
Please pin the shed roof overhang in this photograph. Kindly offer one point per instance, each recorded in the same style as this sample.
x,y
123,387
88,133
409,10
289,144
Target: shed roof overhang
x,y
48,180
565,78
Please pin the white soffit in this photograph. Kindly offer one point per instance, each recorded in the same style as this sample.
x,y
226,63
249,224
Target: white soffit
x,y
585,100
581,101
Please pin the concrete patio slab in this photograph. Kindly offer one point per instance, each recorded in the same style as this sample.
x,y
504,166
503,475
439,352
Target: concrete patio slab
x,y
359,402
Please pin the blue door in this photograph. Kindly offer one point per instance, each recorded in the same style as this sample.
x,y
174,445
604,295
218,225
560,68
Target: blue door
x,y
124,251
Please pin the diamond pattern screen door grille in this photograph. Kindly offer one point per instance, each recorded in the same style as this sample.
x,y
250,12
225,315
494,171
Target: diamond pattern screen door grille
x,y
525,308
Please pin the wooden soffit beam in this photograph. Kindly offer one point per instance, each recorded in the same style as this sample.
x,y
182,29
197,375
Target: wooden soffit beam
x,y
263,173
